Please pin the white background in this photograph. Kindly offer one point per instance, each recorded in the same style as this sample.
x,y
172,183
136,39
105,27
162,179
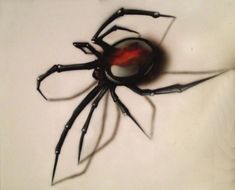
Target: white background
x,y
193,145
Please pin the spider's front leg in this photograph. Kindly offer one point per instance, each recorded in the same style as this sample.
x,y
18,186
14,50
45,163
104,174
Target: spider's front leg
x,y
62,68
87,48
115,28
176,88
122,12
87,122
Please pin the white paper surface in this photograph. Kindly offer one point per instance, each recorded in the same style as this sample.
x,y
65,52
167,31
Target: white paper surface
x,y
193,145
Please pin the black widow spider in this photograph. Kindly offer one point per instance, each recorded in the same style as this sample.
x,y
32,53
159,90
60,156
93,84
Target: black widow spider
x,y
124,63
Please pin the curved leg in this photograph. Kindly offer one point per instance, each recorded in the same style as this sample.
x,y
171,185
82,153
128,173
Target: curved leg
x,y
169,89
86,125
122,12
62,68
74,95
87,48
105,45
115,28
69,124
124,109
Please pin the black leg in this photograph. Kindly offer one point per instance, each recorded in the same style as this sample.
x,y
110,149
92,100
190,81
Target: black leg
x,y
115,28
167,30
169,89
86,125
87,48
124,109
69,124
62,68
104,44
122,12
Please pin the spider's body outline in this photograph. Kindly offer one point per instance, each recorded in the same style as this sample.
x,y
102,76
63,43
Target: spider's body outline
x,y
147,58
132,63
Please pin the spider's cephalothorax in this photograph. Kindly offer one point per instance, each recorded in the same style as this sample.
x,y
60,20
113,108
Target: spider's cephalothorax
x,y
124,63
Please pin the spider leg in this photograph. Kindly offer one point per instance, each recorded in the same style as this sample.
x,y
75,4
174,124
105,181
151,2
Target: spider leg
x,y
115,28
169,89
105,45
87,48
124,109
62,68
167,30
87,122
122,12
70,122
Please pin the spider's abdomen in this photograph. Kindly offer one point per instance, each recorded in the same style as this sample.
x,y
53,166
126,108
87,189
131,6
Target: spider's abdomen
x,y
129,59
133,54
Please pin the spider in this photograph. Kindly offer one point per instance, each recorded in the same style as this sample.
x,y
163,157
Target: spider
x,y
124,63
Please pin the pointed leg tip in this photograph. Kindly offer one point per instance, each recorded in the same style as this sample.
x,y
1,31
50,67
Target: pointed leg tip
x,y
54,168
52,180
39,90
45,98
146,134
79,159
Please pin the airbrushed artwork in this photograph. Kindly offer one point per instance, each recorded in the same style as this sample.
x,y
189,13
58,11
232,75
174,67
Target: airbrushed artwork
x,y
127,62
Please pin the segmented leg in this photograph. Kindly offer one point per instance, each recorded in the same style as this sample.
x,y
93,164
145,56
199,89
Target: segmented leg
x,y
86,125
115,28
169,89
62,68
124,109
122,12
87,48
70,122
104,44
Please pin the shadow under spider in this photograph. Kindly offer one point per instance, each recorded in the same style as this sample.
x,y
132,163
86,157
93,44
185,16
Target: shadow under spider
x,y
195,72
153,116
99,147
74,95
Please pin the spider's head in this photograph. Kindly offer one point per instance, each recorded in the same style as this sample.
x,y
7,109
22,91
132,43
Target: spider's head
x,y
130,60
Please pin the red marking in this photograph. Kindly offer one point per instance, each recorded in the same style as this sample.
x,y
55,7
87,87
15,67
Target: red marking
x,y
128,56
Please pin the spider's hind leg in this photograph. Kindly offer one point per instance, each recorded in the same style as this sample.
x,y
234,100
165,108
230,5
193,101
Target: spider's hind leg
x,y
176,88
69,124
87,122
125,110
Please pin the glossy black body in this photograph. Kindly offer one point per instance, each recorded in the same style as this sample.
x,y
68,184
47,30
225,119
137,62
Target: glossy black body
x,y
142,74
